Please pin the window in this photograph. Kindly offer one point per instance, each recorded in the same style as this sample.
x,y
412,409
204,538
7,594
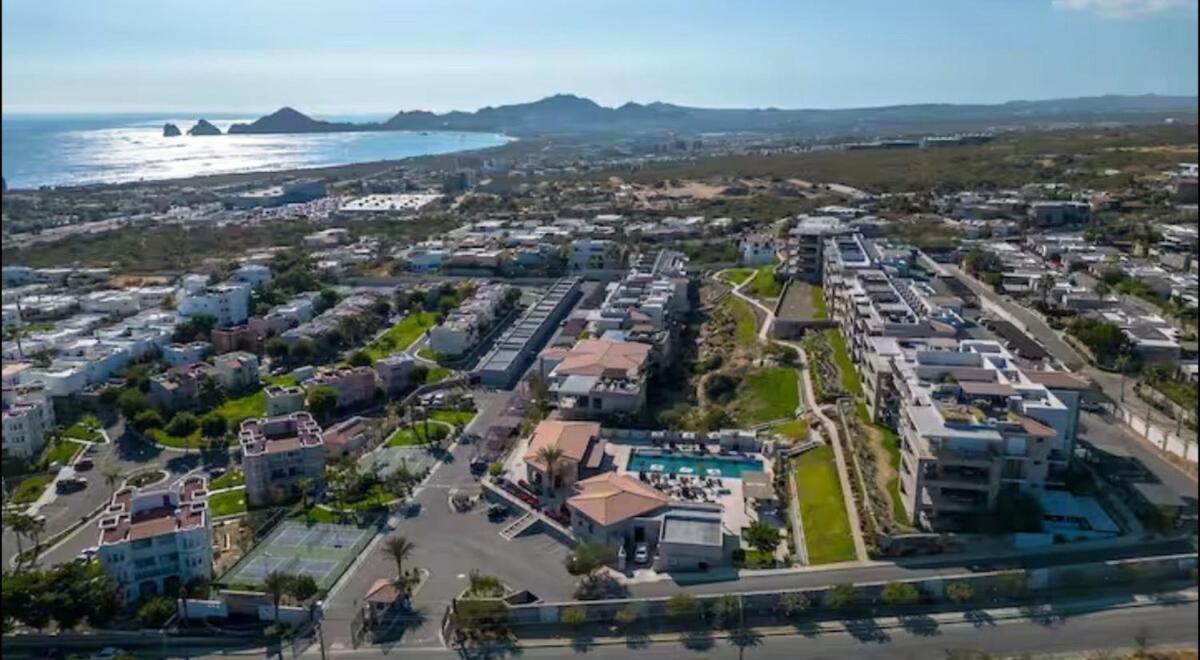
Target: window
x,y
142,544
166,540
144,562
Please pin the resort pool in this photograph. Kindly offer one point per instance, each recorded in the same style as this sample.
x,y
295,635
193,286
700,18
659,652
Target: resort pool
x,y
689,465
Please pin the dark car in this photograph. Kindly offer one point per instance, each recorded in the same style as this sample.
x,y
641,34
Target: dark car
x,y
84,464
497,512
478,466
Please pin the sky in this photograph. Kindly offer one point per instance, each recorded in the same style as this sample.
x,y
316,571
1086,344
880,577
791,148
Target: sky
x,y
380,56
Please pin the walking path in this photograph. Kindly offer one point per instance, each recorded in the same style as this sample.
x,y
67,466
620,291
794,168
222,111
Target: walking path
x,y
797,522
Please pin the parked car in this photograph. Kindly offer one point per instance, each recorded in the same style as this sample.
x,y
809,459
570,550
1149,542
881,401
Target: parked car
x,y
71,485
216,471
497,512
641,553
84,464
478,466
87,554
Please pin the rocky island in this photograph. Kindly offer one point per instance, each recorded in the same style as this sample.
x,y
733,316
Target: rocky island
x,y
203,127
171,130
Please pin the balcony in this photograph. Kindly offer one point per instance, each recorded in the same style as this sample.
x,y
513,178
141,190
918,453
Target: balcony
x,y
156,572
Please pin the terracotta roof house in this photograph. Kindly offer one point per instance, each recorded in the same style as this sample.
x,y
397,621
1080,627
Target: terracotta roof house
x,y
581,446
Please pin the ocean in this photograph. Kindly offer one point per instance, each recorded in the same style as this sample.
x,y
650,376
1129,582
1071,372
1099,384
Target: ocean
x,y
60,150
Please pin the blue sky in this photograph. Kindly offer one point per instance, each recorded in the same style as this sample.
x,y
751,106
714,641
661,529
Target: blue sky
x,y
374,56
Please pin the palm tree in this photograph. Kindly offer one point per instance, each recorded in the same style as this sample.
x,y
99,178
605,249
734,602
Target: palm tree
x,y
20,524
399,548
1102,288
276,585
305,485
112,476
36,528
1045,286
1123,366
552,456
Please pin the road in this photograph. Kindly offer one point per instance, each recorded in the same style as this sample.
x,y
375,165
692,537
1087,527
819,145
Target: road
x,y
127,456
1162,625
1111,384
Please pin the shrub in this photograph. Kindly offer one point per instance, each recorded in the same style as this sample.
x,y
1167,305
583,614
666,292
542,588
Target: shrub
x,y
763,537
360,359
573,616
496,469
794,603
156,612
147,419
842,595
721,387
900,593
682,606
627,616
960,592
182,424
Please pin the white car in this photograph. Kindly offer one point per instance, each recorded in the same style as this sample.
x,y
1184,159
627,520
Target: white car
x,y
641,554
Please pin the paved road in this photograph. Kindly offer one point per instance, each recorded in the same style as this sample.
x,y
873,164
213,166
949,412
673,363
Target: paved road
x,y
1111,384
1164,625
128,456
1106,433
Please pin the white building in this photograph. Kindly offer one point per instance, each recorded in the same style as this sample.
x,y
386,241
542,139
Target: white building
x,y
28,417
154,541
465,326
228,303
757,250
177,354
253,274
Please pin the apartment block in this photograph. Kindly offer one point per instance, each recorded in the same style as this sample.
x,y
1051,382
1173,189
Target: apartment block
x,y
394,371
462,329
354,385
283,400
757,250
277,452
228,303
28,417
803,251
598,378
236,371
153,541
516,348
591,257
177,354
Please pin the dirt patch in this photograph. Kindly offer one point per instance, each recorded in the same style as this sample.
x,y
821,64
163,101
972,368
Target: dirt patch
x,y
230,540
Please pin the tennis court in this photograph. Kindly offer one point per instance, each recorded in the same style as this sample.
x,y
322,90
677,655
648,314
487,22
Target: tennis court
x,y
322,551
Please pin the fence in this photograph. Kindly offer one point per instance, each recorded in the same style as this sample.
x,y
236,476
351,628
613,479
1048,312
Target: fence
x,y
1166,440
1014,585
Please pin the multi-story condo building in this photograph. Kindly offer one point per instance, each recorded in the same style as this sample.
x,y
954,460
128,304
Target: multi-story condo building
x,y
28,417
803,252
354,385
179,387
178,354
599,377
595,256
279,451
283,400
237,370
465,326
393,372
153,541
757,250
228,303
972,427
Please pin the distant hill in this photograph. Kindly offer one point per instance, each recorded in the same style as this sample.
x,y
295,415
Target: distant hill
x,y
566,113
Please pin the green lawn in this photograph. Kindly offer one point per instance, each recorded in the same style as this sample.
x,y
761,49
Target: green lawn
x,y
892,444
765,285
764,395
743,316
246,406
820,312
376,497
841,357
437,375
284,380
87,428
160,436
455,417
62,452
31,488
797,429
404,436
736,276
315,514
227,503
400,336
228,480
826,525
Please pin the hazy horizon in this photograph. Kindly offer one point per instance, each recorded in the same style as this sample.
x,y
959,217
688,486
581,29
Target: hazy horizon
x,y
366,57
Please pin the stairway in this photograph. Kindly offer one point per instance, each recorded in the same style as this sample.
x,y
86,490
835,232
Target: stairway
x,y
519,526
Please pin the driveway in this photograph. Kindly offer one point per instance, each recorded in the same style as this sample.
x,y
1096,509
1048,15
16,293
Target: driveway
x,y
449,545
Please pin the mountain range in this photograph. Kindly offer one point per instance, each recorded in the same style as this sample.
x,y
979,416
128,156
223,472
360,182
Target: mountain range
x,y
570,114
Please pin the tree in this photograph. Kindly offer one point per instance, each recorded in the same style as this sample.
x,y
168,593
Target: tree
x,y
900,593
183,424
552,457
726,611
112,476
21,525
305,485
721,387
841,595
960,592
326,299
156,612
399,548
277,348
213,425
303,587
147,419
682,606
322,401
304,350
794,603
589,556
276,585
419,374
627,616
763,537
131,402
360,359
574,616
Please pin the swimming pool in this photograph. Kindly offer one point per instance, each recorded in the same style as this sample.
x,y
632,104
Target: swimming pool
x,y
687,465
